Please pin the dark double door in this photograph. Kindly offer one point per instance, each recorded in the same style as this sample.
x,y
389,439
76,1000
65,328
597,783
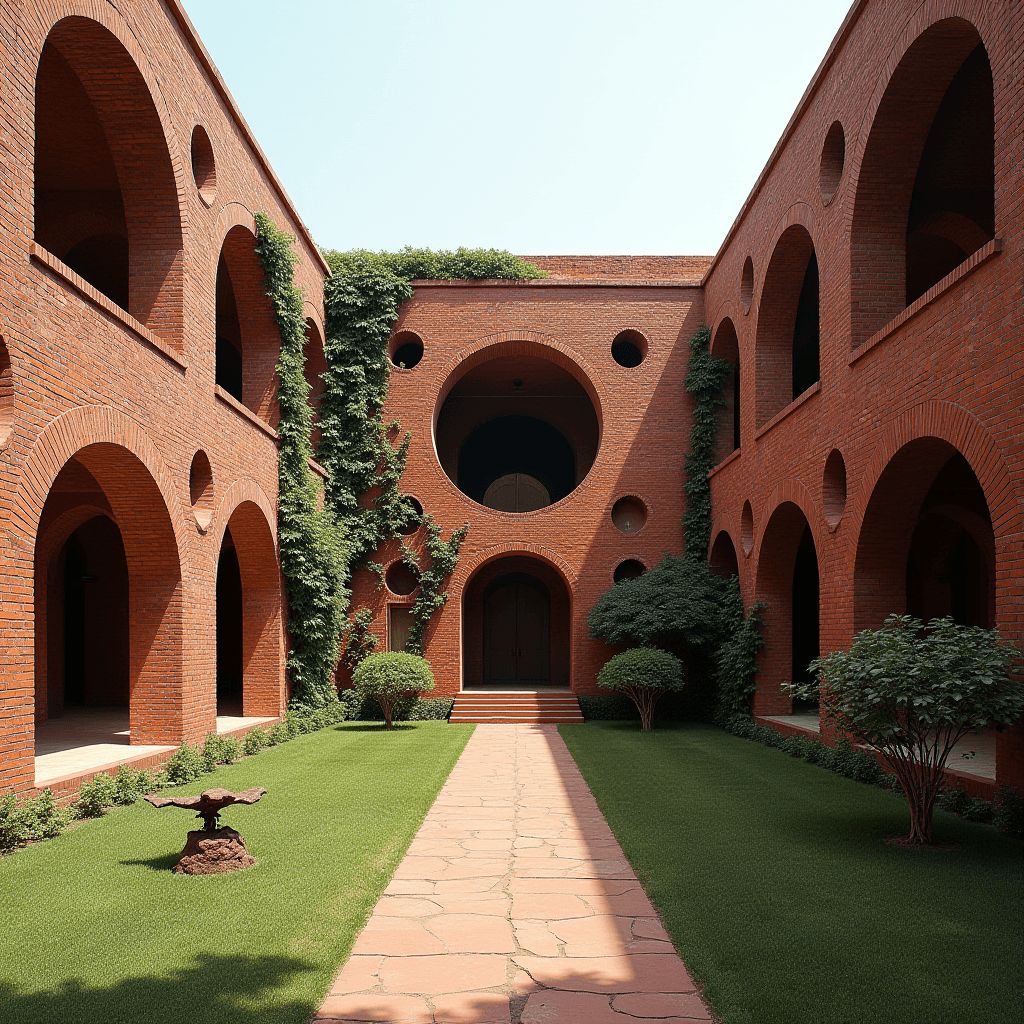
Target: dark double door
x,y
517,633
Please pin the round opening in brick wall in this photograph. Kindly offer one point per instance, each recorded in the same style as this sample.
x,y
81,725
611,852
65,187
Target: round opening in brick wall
x,y
833,488
400,579
833,157
747,285
405,349
747,528
204,169
630,569
6,395
629,514
517,430
413,524
629,348
200,481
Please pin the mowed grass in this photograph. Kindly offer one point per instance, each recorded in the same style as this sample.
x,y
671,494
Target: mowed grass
x,y
780,894
94,927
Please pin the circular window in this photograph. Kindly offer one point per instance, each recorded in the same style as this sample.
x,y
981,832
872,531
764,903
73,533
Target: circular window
x,y
630,569
406,350
629,348
833,156
747,528
629,515
833,488
400,579
517,433
413,524
204,170
747,285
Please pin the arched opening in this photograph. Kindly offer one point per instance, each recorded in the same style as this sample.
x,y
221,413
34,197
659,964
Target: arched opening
x,y
926,546
629,348
107,604
833,487
726,346
788,326
314,368
250,628
628,569
247,336
833,159
106,199
6,395
405,350
204,168
516,623
723,560
517,433
926,190
788,583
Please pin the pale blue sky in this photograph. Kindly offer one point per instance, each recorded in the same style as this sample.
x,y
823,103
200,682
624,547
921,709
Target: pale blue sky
x,y
564,126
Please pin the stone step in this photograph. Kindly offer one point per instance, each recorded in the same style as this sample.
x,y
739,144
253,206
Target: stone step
x,y
516,707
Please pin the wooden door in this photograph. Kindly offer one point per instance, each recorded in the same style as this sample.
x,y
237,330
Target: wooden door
x,y
517,635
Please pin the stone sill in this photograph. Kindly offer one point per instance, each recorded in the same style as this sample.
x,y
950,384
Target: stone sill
x,y
560,282
728,460
87,291
229,399
318,469
789,410
986,252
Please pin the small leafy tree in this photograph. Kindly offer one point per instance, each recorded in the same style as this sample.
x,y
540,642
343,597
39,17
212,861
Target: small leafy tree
x,y
390,676
913,691
643,675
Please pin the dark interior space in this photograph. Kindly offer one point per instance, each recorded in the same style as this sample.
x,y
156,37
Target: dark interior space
x,y
806,332
517,433
736,406
805,633
229,335
229,630
952,210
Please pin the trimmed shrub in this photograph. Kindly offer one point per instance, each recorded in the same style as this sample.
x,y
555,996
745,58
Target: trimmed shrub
x,y
390,676
279,733
96,796
1009,815
255,741
643,675
30,820
185,765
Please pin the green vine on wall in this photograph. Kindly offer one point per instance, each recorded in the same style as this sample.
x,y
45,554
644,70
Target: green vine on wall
x,y
313,553
705,378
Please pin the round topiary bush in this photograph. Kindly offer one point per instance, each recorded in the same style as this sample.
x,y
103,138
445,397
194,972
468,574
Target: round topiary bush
x,y
642,674
389,676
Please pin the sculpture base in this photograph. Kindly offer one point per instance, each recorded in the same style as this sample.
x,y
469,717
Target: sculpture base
x,y
214,853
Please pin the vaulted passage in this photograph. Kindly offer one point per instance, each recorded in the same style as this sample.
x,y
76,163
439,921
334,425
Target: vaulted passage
x,y
516,626
517,433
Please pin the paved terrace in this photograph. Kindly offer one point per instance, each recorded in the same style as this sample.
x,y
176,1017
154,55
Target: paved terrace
x,y
514,904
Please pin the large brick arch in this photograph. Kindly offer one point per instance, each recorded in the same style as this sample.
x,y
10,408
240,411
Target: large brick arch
x,y
144,503
884,163
907,456
101,49
249,514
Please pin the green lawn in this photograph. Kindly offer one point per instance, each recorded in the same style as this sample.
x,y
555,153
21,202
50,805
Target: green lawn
x,y
782,897
94,927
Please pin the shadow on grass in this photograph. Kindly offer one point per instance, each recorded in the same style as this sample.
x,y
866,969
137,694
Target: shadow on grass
x,y
373,727
225,989
162,863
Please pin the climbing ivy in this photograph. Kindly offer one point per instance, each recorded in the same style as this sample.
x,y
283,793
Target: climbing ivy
x,y
705,378
364,456
313,552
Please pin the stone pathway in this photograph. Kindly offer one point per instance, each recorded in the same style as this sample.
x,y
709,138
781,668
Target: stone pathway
x,y
514,905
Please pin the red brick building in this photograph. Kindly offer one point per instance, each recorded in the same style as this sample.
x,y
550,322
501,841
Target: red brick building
x,y
868,296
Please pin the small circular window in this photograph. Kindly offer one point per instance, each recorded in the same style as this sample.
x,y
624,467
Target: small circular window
x,y
833,157
629,514
400,579
204,170
630,569
629,348
406,350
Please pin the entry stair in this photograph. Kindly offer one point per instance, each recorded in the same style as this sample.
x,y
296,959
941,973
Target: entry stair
x,y
509,706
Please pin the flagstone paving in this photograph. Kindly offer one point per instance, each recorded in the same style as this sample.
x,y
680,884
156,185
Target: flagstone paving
x,y
514,905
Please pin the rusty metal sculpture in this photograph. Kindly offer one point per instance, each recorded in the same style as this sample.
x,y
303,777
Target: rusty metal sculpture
x,y
215,849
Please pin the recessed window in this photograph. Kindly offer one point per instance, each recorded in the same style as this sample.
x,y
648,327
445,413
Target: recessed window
x,y
629,515
833,487
630,569
399,626
200,480
6,395
629,348
406,350
747,285
833,157
747,528
400,579
204,170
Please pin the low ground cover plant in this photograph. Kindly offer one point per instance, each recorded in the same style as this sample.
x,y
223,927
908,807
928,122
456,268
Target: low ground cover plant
x,y
913,691
390,677
644,675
